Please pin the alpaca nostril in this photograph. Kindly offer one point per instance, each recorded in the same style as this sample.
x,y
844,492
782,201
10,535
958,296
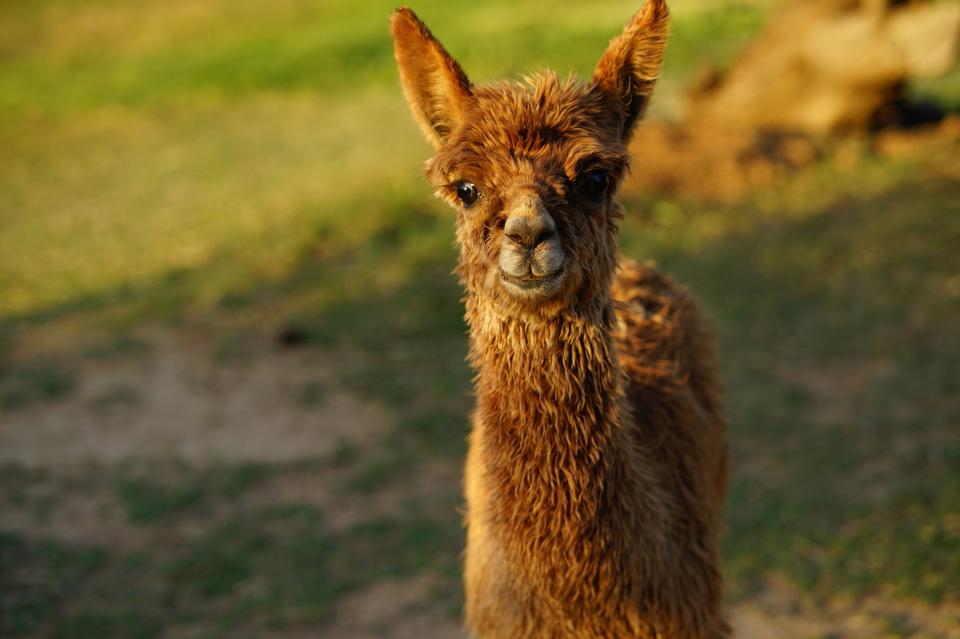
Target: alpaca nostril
x,y
516,238
529,240
545,234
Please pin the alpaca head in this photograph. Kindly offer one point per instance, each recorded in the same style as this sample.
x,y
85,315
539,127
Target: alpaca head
x,y
532,168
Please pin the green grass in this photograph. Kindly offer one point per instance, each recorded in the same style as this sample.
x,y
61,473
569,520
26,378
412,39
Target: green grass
x,y
149,496
251,567
29,601
117,347
30,384
239,147
328,48
233,174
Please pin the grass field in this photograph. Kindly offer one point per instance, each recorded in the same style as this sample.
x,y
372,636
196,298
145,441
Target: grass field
x,y
232,391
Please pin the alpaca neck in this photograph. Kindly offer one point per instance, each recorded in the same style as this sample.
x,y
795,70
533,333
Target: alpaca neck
x,y
550,407
546,378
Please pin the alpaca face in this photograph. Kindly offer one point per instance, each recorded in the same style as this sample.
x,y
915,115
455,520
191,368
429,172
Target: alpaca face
x,y
532,168
532,173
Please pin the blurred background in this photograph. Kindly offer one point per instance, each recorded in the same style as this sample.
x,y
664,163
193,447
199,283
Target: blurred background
x,y
233,399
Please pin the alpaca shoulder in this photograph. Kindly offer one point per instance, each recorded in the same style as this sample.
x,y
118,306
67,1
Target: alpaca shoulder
x,y
661,339
667,354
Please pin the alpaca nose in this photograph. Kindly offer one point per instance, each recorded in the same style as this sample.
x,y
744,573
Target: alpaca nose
x,y
529,226
531,247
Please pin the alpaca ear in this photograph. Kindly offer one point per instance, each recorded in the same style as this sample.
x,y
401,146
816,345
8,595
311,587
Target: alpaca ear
x,y
629,67
436,88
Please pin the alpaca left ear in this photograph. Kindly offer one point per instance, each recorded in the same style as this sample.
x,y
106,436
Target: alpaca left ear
x,y
629,67
437,89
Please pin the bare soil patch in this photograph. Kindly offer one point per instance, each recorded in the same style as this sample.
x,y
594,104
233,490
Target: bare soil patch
x,y
179,402
780,611
398,609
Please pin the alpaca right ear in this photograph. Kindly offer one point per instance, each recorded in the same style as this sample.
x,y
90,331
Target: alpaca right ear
x,y
436,88
629,67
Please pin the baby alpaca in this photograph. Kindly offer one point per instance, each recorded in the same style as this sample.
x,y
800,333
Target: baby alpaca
x,y
597,465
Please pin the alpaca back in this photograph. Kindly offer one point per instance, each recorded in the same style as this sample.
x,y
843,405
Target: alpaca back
x,y
672,390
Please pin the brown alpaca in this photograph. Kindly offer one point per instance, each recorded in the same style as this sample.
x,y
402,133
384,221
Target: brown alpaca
x,y
597,463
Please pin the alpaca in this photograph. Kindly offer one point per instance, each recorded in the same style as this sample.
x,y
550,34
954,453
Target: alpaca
x,y
596,469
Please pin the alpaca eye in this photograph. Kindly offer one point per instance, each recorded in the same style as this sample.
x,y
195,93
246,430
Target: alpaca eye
x,y
467,193
593,185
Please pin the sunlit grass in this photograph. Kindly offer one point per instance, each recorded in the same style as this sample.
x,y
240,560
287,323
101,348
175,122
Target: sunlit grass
x,y
64,58
142,196
218,133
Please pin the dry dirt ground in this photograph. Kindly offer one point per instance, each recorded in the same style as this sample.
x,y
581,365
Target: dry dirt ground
x,y
177,400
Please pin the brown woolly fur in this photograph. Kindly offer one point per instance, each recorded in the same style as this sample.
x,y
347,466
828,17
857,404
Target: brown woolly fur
x,y
597,465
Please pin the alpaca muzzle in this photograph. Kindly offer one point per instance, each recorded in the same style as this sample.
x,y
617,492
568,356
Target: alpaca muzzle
x,y
531,256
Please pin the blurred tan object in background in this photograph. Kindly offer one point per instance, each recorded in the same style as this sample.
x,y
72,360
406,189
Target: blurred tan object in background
x,y
824,65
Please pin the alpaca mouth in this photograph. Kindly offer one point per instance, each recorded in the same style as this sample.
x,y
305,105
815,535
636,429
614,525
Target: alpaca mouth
x,y
530,285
